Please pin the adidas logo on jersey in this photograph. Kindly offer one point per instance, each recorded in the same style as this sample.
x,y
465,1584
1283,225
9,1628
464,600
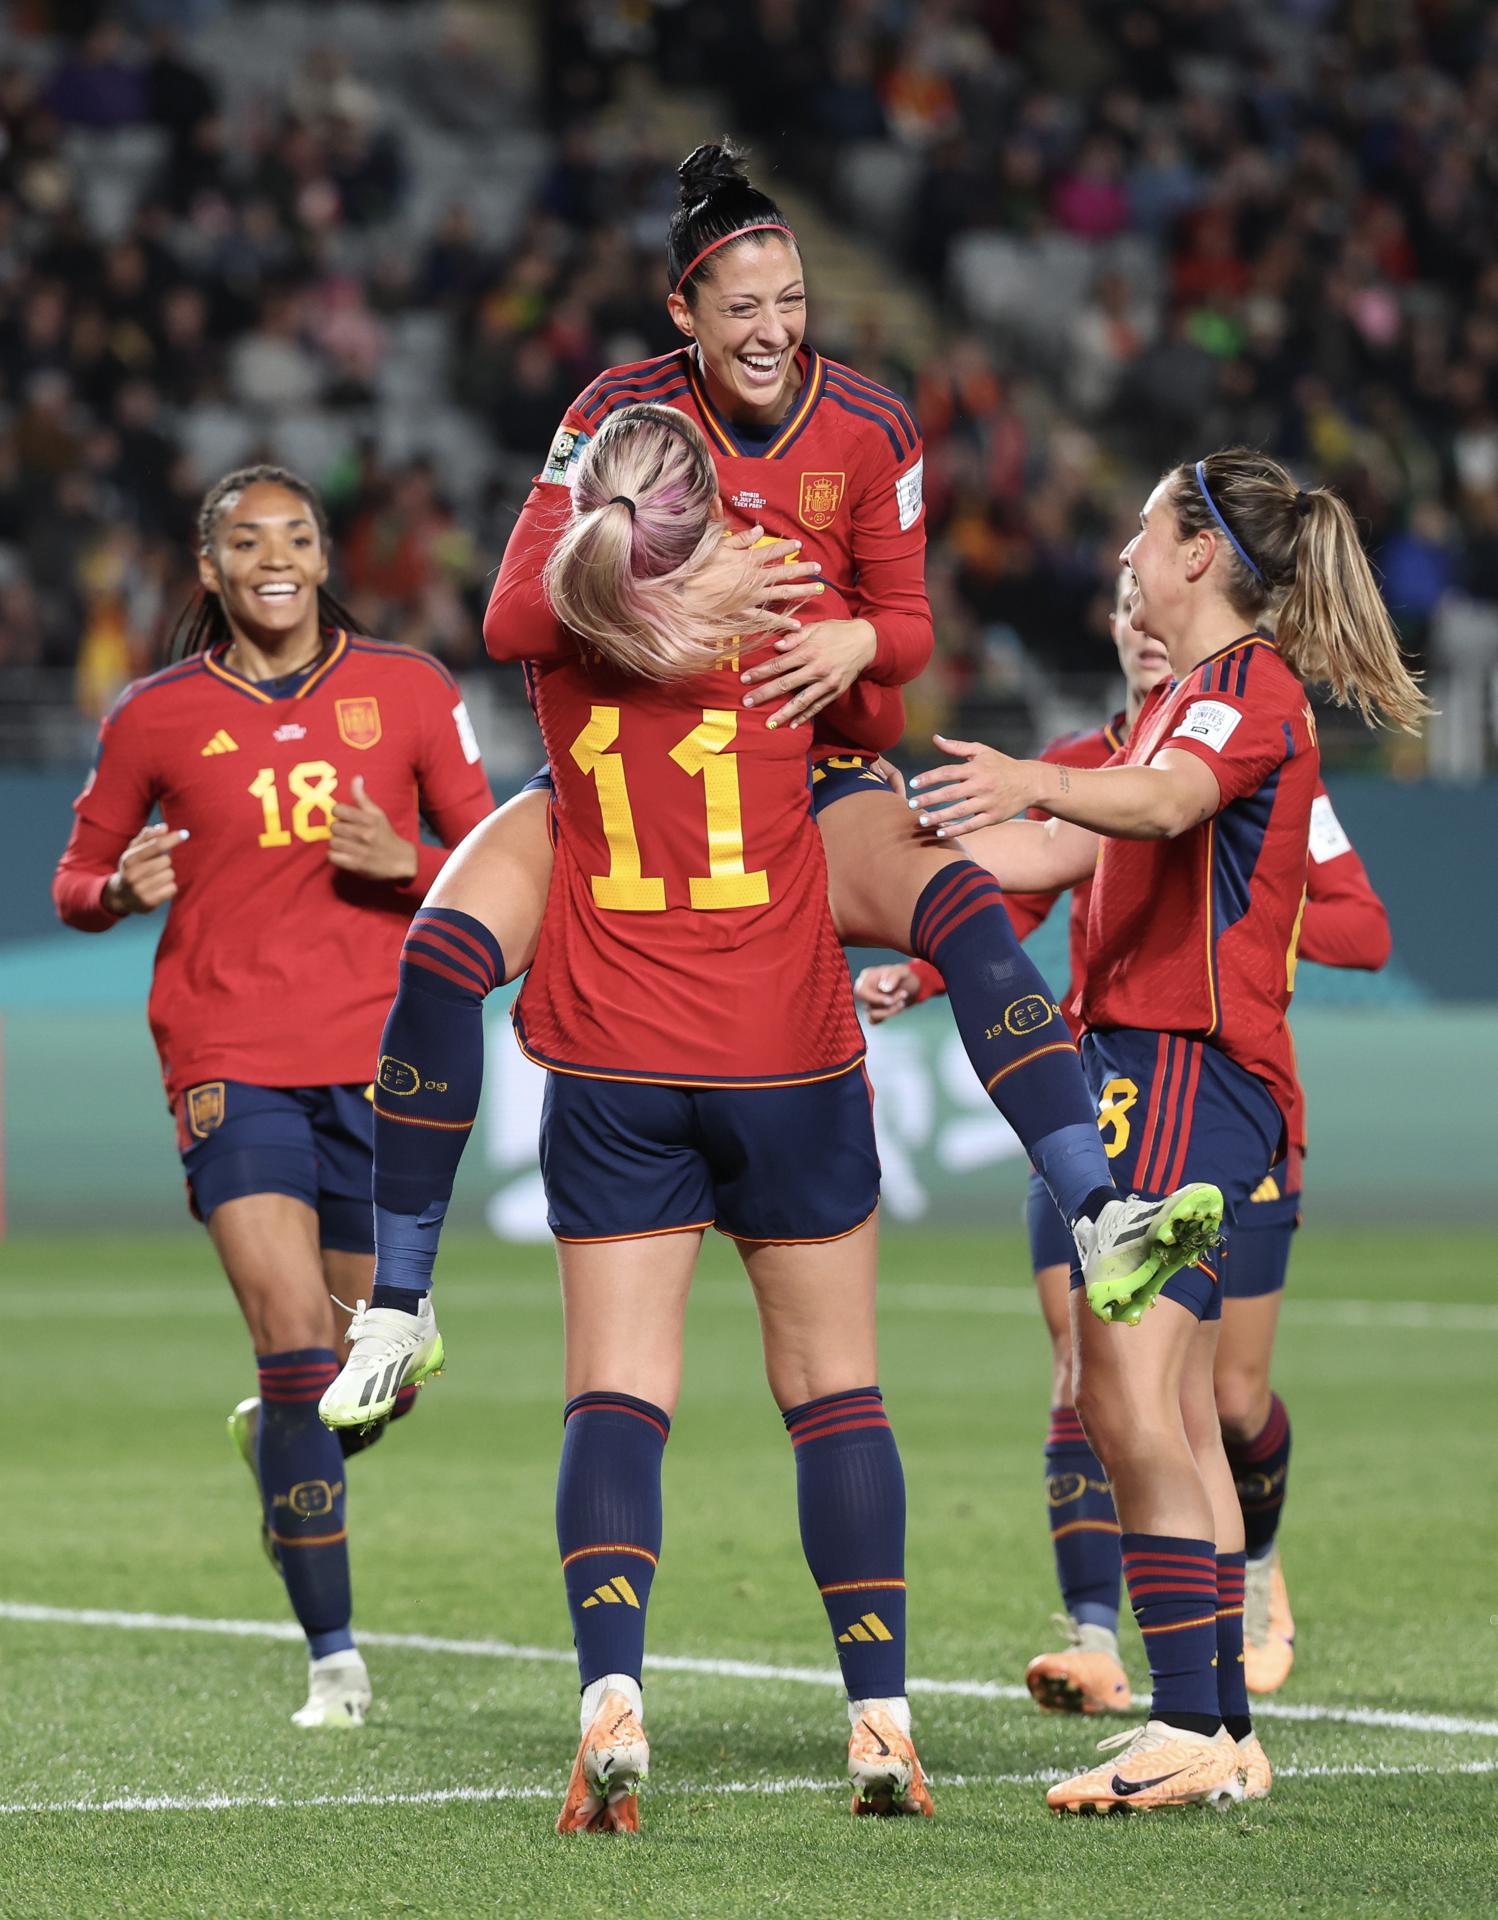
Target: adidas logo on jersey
x,y
871,1627
614,1593
222,742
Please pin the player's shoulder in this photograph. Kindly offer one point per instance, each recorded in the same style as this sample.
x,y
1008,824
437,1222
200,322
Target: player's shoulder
x,y
1252,670
1089,747
660,381
873,412
396,663
157,693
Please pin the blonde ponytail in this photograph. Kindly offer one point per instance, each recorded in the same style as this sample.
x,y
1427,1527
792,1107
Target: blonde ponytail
x,y
628,573
1294,559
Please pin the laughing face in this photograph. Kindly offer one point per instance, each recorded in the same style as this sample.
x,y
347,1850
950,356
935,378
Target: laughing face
x,y
1142,657
748,321
266,563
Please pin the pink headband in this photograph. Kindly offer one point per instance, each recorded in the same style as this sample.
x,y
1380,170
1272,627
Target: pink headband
x,y
762,226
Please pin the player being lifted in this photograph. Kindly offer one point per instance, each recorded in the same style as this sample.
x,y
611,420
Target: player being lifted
x,y
812,459
288,758
690,1000
1196,834
1344,925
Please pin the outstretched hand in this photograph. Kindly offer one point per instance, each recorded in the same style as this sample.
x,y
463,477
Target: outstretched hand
x,y
981,788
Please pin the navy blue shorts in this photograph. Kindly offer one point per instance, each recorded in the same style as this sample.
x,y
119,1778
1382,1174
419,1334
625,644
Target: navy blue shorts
x,y
315,1143
1051,1242
622,1159
540,782
843,773
1261,1239
1172,1110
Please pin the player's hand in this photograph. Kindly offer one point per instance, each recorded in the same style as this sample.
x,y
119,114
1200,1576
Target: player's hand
x,y
768,572
886,991
889,771
364,842
815,666
982,788
144,879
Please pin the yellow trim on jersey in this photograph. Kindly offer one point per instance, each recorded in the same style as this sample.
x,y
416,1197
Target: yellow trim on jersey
x,y
319,674
811,391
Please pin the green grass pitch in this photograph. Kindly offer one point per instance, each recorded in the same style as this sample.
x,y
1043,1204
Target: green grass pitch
x,y
121,1494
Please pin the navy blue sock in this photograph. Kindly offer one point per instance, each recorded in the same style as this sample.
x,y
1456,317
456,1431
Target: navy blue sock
x,y
609,1526
427,1093
1173,1585
300,1464
1084,1525
1013,1032
850,1493
1232,1681
1261,1468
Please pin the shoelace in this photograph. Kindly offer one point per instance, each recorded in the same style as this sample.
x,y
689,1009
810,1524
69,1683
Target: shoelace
x,y
1136,1740
1063,1623
357,1330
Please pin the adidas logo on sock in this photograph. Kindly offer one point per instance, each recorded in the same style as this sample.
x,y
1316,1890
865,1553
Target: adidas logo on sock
x,y
871,1627
612,1592
222,742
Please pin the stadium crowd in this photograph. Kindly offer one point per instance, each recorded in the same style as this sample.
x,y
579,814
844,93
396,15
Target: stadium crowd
x,y
1138,222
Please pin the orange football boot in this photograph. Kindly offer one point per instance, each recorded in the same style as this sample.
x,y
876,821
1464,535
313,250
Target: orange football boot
x,y
1268,1626
1156,1766
882,1764
1254,1769
1087,1677
612,1760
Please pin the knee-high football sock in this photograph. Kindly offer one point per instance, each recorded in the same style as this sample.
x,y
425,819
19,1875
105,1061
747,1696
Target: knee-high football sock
x,y
1173,1587
850,1494
609,1526
300,1465
1261,1469
1084,1525
427,1093
1013,1033
1232,1683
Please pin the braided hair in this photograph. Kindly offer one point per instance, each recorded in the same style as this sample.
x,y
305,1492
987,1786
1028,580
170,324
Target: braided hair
x,y
202,623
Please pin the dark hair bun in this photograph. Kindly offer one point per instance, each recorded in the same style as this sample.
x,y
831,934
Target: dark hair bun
x,y
707,170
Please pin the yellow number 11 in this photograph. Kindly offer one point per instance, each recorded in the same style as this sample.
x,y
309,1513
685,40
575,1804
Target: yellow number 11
x,y
624,888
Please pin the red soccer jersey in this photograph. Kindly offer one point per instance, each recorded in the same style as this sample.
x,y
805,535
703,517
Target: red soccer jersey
x,y
274,967
1197,935
687,937
842,474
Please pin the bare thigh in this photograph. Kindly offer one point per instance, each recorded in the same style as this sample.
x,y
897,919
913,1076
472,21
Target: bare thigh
x,y
267,1243
624,1303
499,875
816,1313
878,866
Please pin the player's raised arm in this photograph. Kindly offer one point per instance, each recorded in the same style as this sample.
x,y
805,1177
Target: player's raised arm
x,y
1345,924
113,863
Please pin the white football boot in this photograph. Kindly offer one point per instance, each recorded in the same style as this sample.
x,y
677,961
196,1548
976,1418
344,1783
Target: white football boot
x,y
388,1350
338,1692
1135,1245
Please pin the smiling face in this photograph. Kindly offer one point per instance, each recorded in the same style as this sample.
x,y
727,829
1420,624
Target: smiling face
x,y
266,563
748,317
1163,566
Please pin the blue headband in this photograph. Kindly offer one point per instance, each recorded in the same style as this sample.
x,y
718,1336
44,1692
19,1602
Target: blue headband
x,y
1201,481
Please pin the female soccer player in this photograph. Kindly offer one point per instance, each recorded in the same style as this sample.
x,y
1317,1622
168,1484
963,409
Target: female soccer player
x,y
811,453
1198,832
689,999
289,758
1344,925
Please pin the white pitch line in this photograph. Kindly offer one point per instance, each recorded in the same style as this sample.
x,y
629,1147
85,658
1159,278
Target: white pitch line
x,y
36,1615
448,1796
1374,1316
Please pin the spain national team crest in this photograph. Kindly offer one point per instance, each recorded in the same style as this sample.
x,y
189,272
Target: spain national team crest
x,y
358,721
205,1108
821,496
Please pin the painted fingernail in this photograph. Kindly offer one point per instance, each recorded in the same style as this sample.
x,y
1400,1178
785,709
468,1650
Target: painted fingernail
x,y
769,726
185,834
816,566
941,833
925,819
748,699
820,587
